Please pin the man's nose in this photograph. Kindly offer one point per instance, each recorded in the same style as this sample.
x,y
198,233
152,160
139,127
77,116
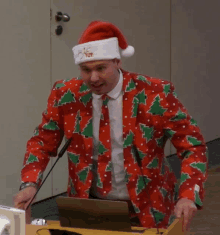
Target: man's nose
x,y
94,77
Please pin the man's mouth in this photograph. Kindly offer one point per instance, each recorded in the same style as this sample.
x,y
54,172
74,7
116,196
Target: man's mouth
x,y
97,86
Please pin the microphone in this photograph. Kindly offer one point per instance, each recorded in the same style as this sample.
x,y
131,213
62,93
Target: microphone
x,y
62,151
140,165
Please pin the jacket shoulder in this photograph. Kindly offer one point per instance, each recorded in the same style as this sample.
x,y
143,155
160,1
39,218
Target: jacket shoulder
x,y
66,84
142,80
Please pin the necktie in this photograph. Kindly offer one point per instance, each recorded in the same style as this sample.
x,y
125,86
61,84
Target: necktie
x,y
104,151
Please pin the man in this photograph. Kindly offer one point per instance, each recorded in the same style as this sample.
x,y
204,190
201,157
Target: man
x,y
119,123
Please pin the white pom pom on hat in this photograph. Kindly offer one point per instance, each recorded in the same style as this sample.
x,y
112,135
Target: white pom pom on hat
x,y
129,51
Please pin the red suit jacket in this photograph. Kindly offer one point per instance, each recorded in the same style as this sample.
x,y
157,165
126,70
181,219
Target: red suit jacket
x,y
152,114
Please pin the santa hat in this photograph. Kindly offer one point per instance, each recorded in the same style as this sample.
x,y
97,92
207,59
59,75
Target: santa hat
x,y
101,41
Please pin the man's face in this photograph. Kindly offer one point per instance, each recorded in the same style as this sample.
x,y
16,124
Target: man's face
x,y
100,76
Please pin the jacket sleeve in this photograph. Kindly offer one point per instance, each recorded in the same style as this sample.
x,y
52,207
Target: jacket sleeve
x,y
45,141
186,137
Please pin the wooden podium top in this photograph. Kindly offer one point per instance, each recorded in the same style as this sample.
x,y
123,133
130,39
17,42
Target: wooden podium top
x,y
175,228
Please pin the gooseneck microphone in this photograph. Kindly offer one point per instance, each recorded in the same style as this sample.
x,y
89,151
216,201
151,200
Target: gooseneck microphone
x,y
62,151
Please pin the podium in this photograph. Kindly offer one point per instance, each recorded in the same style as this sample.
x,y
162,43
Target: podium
x,y
174,229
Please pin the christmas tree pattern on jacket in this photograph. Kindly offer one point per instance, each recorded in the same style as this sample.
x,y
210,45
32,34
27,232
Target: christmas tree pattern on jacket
x,y
152,114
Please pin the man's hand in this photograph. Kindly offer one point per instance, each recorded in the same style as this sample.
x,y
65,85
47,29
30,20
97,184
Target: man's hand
x,y
22,199
188,209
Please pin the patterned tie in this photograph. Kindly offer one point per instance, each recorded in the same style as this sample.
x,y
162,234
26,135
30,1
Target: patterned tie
x,y
104,151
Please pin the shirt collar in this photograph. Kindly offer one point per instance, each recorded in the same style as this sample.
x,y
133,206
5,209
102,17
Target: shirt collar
x,y
115,92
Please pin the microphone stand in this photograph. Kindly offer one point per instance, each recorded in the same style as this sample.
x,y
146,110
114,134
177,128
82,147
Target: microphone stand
x,y
62,151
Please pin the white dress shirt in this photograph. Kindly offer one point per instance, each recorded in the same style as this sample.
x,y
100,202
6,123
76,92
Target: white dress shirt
x,y
119,188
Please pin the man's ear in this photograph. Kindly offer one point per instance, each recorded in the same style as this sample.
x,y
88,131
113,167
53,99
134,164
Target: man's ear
x,y
118,63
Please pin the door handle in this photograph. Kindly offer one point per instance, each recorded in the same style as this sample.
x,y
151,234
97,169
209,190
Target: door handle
x,y
62,17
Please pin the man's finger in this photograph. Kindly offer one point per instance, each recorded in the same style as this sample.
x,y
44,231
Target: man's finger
x,y
185,218
16,199
26,204
20,205
192,212
28,215
178,212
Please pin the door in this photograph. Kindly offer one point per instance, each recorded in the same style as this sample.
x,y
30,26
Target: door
x,y
146,25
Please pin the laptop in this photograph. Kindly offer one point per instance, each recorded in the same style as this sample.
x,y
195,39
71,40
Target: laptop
x,y
94,214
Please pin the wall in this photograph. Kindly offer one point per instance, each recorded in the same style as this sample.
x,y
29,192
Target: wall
x,y
195,54
25,84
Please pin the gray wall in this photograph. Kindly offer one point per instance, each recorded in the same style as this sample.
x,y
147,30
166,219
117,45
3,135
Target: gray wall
x,y
25,84
195,38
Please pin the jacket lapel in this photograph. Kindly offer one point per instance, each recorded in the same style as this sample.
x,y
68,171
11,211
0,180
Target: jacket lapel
x,y
130,108
85,112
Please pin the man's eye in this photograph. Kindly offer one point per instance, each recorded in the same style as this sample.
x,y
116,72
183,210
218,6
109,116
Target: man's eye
x,y
101,68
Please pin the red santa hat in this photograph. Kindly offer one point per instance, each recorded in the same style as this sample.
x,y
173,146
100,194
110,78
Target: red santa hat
x,y
101,41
